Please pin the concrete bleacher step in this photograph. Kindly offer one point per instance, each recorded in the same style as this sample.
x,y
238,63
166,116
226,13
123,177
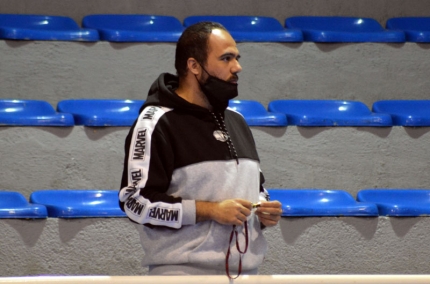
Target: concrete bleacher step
x,y
364,72
111,246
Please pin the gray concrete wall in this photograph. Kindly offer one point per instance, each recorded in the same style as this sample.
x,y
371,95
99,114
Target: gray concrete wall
x,y
326,245
380,10
93,246
345,158
366,72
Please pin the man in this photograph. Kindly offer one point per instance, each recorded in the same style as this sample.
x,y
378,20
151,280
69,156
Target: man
x,y
191,170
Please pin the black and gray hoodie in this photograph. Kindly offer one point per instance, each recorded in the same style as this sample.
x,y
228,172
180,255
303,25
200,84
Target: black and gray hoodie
x,y
176,153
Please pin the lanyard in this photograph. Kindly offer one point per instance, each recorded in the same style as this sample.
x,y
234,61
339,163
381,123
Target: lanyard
x,y
227,257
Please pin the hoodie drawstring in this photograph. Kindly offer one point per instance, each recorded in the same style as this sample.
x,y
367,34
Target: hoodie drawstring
x,y
230,144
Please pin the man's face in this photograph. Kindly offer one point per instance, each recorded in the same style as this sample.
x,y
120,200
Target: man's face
x,y
223,57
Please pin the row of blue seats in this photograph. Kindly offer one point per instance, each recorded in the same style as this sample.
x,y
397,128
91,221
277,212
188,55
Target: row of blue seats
x,y
295,203
117,112
154,28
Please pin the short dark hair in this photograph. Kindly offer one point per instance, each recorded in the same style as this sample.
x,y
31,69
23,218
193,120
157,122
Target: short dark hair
x,y
194,43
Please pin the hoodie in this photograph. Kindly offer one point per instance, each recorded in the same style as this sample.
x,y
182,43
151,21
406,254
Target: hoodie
x,y
176,153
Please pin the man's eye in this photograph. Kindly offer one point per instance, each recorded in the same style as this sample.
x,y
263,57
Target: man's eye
x,y
230,58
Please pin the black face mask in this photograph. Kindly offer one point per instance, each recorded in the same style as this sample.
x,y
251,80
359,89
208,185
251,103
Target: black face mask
x,y
218,92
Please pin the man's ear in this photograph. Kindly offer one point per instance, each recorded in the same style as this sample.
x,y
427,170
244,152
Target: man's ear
x,y
193,66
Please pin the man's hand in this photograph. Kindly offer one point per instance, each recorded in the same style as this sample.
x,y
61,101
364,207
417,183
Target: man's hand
x,y
269,212
227,212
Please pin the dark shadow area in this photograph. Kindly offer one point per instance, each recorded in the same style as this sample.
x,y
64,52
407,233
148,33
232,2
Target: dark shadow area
x,y
18,43
125,45
272,131
398,45
89,44
61,132
290,45
30,230
310,132
97,133
293,227
425,46
69,228
381,132
366,226
332,46
402,225
416,132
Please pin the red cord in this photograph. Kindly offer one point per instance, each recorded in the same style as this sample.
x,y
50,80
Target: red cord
x,y
227,257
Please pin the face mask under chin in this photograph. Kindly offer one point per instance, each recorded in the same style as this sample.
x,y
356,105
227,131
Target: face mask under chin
x,y
218,92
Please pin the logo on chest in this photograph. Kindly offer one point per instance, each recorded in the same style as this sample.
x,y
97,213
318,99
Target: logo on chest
x,y
220,135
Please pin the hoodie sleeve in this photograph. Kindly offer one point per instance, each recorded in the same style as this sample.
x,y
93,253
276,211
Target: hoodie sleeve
x,y
148,167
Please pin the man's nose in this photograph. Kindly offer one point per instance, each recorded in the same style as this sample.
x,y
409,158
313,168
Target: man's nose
x,y
236,68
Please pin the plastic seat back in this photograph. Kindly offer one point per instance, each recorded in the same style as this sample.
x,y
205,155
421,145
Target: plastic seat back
x,y
256,114
319,202
405,112
135,28
31,113
329,113
342,29
102,112
416,29
13,205
398,202
251,28
43,27
70,203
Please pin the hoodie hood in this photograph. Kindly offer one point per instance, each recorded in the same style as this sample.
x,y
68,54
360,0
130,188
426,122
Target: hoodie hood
x,y
162,93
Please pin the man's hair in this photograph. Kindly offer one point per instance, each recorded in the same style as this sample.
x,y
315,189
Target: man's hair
x,y
194,43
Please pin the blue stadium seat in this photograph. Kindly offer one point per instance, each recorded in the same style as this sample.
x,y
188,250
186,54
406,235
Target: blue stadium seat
x,y
43,27
319,202
31,113
13,205
342,29
398,202
101,112
256,114
416,29
329,113
251,28
135,28
405,112
70,203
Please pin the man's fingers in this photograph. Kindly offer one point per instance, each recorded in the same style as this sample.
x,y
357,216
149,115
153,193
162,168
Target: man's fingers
x,y
270,207
270,211
245,203
232,211
268,220
271,204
